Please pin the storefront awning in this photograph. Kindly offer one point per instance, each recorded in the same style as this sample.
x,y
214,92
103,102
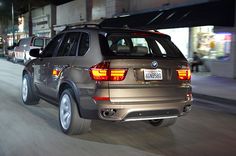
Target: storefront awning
x,y
217,13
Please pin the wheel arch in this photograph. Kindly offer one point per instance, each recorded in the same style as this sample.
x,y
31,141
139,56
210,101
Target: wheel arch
x,y
31,98
25,71
65,84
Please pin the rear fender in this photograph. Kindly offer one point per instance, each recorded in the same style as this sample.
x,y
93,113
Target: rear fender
x,y
64,84
74,79
79,78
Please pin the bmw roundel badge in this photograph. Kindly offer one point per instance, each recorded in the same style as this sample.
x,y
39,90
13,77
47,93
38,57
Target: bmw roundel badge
x,y
154,64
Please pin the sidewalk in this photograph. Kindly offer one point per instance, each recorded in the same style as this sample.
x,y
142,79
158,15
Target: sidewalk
x,y
214,88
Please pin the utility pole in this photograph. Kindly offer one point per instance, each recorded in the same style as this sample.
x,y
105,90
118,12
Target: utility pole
x,y
13,30
30,20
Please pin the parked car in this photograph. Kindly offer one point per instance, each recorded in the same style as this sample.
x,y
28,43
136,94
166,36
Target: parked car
x,y
109,74
21,51
10,52
2,48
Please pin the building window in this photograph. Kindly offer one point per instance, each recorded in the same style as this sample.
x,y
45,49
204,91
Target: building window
x,y
211,45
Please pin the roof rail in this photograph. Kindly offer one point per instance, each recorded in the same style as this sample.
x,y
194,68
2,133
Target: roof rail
x,y
81,25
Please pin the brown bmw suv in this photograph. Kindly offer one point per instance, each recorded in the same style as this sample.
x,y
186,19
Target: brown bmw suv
x,y
109,74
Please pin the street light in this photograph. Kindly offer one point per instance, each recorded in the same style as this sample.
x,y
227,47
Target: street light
x,y
12,16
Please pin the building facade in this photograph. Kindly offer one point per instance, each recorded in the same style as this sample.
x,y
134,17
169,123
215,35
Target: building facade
x,y
43,20
72,12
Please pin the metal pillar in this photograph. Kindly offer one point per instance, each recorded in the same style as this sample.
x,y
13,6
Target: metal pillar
x,y
13,30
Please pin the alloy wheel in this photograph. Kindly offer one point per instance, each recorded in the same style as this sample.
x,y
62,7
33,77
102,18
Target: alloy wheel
x,y
65,111
24,89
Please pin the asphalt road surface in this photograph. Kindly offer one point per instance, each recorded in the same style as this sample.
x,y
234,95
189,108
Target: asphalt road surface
x,y
34,130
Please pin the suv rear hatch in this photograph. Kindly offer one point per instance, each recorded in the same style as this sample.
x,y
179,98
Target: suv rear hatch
x,y
155,69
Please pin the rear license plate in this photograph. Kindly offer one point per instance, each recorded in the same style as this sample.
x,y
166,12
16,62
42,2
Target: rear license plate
x,y
153,74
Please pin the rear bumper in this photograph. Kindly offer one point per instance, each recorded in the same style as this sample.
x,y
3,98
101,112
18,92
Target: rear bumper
x,y
141,107
142,110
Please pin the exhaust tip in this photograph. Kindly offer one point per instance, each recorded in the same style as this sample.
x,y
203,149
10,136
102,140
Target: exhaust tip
x,y
107,113
187,108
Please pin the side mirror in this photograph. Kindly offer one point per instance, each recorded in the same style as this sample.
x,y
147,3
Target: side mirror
x,y
35,52
15,44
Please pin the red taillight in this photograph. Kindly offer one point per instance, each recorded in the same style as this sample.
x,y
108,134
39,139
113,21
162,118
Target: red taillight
x,y
117,74
102,72
184,74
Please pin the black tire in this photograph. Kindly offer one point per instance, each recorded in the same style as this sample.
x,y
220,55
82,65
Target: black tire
x,y
76,124
31,98
163,122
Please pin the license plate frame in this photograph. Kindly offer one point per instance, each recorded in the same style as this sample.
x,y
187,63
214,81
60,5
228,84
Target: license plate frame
x,y
153,74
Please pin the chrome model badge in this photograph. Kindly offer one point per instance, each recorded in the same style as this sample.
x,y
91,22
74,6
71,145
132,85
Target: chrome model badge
x,y
154,64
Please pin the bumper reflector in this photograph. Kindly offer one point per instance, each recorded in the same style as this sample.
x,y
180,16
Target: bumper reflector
x,y
97,98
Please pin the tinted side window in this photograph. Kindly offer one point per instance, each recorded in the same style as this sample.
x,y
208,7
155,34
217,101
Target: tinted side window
x,y
69,44
51,47
84,44
38,42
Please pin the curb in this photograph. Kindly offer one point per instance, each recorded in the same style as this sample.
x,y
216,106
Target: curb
x,y
215,99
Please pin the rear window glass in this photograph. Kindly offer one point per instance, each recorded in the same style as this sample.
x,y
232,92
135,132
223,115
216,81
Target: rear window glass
x,y
134,45
25,42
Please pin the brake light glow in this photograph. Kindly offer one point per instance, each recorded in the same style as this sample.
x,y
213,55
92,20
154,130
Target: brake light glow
x,y
184,74
99,74
117,74
102,72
